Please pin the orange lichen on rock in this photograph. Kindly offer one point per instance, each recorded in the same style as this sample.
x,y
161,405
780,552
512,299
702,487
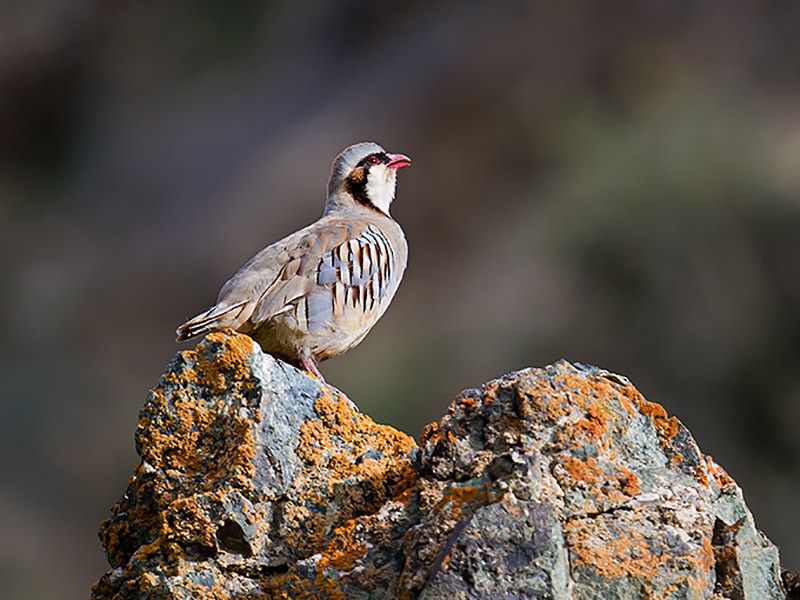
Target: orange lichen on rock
x,y
430,433
348,456
186,521
542,400
578,472
573,391
344,551
457,496
294,585
458,501
220,370
628,482
666,426
359,433
721,478
468,403
593,426
159,517
403,487
632,398
619,548
701,474
603,480
181,441
180,438
556,406
342,557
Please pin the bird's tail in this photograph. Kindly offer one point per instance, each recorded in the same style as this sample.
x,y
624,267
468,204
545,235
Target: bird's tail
x,y
216,317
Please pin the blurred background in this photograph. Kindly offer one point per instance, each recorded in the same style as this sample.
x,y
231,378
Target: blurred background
x,y
611,184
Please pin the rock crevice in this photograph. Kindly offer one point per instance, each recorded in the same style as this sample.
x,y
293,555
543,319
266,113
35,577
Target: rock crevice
x,y
256,481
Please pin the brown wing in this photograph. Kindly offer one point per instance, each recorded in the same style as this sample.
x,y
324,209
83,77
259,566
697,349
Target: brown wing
x,y
316,272
337,269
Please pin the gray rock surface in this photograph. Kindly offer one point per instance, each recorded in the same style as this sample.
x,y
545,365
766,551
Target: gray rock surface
x,y
563,482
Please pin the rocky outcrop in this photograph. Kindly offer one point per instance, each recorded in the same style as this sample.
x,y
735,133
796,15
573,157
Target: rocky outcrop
x,y
564,482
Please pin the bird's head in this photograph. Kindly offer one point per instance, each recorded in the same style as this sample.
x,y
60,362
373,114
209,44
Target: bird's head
x,y
365,174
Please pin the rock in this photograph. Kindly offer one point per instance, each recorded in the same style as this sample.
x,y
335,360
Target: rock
x,y
791,583
563,482
247,467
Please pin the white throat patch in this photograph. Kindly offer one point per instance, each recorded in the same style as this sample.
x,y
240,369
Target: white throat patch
x,y
381,184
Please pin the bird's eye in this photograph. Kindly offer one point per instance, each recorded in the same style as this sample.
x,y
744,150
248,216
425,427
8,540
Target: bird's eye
x,y
373,160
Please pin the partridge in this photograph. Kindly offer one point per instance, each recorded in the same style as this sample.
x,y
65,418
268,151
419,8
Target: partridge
x,y
316,293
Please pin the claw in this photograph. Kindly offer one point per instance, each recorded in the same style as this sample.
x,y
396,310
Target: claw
x,y
309,365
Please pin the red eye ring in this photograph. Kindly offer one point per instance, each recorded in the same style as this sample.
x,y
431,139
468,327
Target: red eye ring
x,y
373,160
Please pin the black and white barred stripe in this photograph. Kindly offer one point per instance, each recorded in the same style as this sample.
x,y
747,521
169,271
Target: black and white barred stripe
x,y
356,275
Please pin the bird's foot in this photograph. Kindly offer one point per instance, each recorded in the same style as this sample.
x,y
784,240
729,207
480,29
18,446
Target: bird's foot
x,y
309,365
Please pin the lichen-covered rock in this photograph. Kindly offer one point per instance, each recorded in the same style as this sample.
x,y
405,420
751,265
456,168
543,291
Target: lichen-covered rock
x,y
247,466
563,482
605,496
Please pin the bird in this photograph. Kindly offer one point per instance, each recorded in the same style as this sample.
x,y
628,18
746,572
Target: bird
x,y
317,293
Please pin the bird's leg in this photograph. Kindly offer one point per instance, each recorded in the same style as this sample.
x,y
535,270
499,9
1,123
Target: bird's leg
x,y
309,365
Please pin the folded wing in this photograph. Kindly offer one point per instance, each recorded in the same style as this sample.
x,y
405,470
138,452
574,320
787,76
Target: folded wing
x,y
315,276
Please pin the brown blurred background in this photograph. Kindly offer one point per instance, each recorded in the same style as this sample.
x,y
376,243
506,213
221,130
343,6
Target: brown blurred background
x,y
616,185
